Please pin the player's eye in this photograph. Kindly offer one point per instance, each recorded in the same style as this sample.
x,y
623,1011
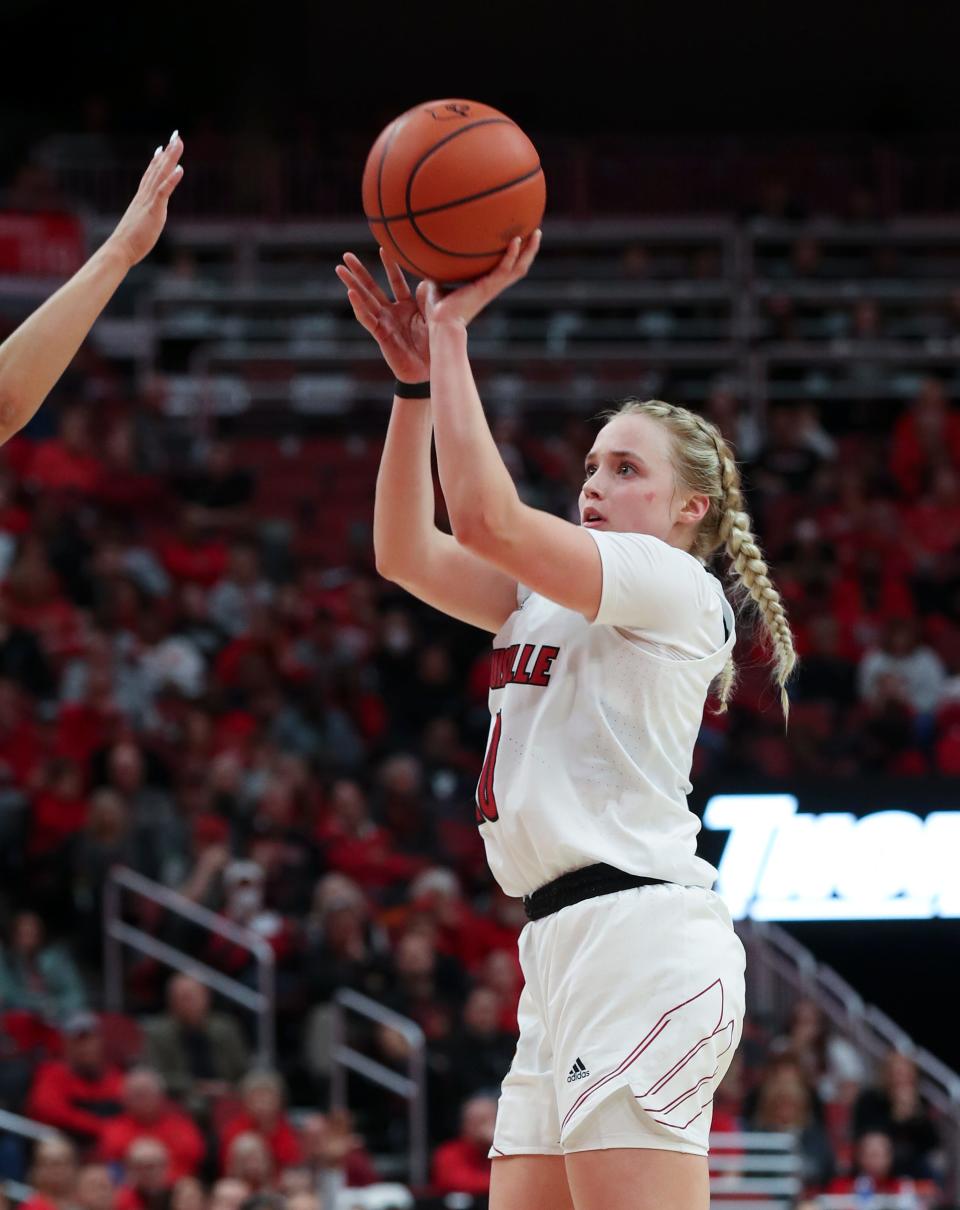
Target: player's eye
x,y
588,471
625,466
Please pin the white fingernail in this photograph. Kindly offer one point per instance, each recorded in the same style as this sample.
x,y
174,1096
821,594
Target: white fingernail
x,y
157,152
173,136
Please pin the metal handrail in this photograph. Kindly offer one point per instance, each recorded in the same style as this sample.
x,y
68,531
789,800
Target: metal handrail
x,y
117,933
27,1128
411,1087
773,955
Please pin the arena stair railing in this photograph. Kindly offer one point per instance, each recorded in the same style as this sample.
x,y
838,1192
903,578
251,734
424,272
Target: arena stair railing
x,y
411,1087
780,970
118,934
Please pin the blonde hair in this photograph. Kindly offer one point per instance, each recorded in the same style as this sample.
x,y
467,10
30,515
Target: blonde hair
x,y
703,462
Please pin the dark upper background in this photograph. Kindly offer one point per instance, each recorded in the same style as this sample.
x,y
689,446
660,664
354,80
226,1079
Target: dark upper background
x,y
883,68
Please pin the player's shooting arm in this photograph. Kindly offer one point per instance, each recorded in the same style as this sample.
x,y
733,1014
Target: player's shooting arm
x,y
551,556
408,546
34,356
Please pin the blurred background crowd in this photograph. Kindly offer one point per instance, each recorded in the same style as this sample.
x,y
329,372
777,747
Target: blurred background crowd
x,y
204,680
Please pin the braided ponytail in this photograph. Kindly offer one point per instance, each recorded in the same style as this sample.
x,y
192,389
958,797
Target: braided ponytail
x,y
704,463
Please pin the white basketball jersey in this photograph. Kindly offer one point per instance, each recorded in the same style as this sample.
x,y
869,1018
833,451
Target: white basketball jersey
x,y
594,723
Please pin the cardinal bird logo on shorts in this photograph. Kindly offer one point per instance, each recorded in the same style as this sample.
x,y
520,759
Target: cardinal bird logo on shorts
x,y
449,113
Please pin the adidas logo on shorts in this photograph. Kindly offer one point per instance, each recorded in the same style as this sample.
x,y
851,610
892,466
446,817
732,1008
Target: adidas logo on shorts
x,y
577,1072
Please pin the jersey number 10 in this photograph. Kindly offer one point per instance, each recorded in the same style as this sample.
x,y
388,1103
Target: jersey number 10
x,y
486,801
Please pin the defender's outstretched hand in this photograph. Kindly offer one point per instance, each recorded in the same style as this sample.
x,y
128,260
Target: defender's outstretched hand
x,y
34,356
397,325
139,229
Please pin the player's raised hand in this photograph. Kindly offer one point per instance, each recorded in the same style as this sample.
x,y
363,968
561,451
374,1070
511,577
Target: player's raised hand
x,y
397,324
140,227
466,303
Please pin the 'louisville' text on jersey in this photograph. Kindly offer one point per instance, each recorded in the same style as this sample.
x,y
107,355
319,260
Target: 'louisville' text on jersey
x,y
526,664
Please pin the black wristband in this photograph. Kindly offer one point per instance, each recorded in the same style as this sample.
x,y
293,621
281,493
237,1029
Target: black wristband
x,y
411,390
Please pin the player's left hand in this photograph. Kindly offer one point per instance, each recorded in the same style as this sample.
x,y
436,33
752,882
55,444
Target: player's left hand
x,y
465,303
140,227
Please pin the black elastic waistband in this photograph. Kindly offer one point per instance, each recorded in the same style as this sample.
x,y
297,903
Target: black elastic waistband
x,y
582,884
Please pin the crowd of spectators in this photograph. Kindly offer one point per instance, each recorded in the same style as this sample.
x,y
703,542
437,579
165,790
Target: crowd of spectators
x,y
196,684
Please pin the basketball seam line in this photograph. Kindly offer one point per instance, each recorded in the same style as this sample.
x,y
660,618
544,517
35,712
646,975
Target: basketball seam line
x,y
386,227
460,201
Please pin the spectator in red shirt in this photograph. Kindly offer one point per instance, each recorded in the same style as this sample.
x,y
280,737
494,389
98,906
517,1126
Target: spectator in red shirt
x,y
94,1189
82,1092
60,809
148,1114
194,554
923,437
53,1175
873,1171
262,1113
360,848
68,462
148,1185
461,1165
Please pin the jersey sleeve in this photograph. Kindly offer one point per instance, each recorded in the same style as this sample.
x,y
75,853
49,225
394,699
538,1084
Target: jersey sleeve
x,y
653,587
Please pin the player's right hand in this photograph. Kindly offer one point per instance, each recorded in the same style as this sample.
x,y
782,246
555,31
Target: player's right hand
x,y
397,325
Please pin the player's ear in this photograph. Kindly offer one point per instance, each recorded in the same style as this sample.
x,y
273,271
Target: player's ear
x,y
694,508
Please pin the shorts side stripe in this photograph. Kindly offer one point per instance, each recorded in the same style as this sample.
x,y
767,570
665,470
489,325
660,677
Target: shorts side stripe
x,y
644,1045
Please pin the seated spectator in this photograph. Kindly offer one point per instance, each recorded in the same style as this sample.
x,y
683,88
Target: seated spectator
x,y
360,848
873,1173
81,1093
38,978
304,1200
244,895
478,1053
917,668
200,1054
785,1106
22,659
53,1175
926,434
193,554
896,1109
263,1114
60,809
826,1059
425,985
461,1165
147,1184
791,455
221,492
344,947
188,1194
228,1194
234,598
330,1145
68,462
248,1161
94,1189
933,522
148,1114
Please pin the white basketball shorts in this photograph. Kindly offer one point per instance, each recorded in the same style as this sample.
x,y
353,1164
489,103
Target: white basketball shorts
x,y
632,1002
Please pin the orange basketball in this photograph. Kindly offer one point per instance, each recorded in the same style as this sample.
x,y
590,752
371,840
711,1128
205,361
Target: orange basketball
x,y
448,184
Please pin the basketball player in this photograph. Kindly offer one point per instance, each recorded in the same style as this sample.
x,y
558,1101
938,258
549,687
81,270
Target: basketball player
x,y
34,356
608,636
